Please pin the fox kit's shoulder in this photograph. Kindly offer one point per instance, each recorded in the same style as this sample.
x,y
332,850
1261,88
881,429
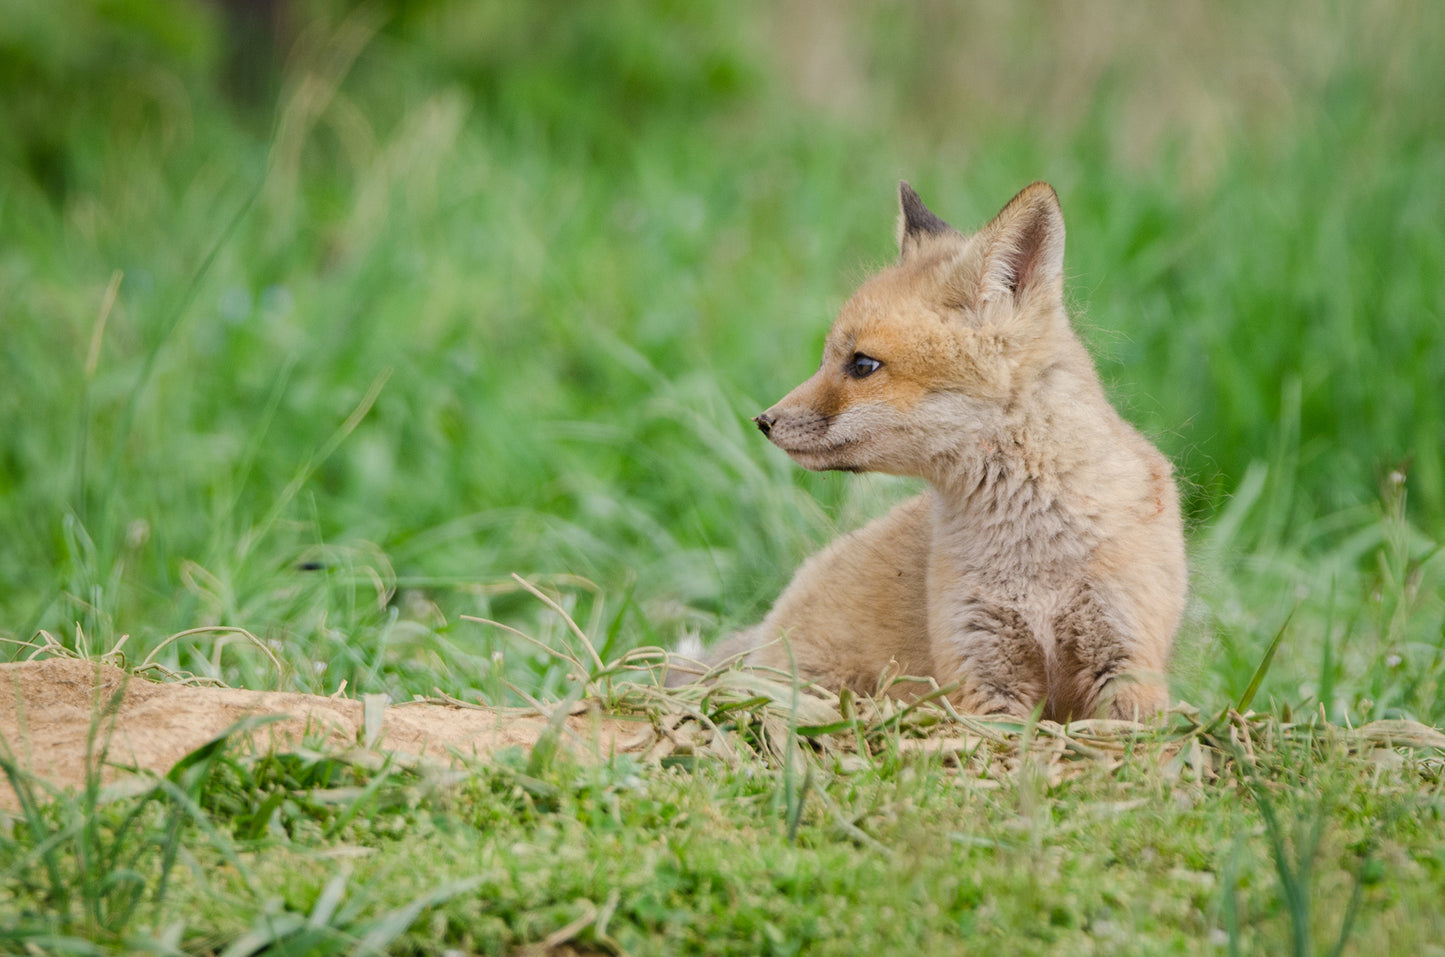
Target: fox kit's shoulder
x,y
1045,567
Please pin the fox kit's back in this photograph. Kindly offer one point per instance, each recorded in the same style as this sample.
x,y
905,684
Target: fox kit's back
x,y
1043,569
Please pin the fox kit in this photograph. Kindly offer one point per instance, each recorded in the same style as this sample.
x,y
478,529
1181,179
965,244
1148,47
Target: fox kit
x,y
1043,569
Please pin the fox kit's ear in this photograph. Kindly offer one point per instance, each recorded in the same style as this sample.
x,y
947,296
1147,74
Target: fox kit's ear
x,y
1023,248
916,223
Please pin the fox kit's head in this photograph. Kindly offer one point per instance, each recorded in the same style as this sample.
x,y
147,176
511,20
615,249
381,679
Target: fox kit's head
x,y
929,354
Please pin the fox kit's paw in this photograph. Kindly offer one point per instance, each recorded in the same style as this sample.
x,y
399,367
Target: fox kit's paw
x,y
1131,700
1000,701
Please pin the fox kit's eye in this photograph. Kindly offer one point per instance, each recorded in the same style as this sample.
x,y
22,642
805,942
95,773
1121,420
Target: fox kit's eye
x,y
861,366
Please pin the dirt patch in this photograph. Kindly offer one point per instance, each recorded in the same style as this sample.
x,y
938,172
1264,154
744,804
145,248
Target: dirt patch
x,y
55,714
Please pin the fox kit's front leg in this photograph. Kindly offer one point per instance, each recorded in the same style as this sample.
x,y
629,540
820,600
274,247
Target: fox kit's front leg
x,y
1101,667
988,650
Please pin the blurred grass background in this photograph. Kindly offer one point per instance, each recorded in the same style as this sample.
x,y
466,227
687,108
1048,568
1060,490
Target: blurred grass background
x,y
322,319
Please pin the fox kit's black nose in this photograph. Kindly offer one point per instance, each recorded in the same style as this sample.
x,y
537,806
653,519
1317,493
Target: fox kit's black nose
x,y
765,423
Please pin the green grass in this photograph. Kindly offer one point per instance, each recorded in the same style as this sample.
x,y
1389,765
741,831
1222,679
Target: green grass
x,y
1304,834
463,291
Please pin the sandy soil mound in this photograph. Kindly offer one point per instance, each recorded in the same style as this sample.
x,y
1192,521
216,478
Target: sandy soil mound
x,y
56,713
49,708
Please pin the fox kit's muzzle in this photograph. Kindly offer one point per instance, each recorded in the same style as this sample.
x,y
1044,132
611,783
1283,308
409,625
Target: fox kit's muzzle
x,y
765,423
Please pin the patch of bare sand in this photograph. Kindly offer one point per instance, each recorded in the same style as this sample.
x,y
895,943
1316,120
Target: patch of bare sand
x,y
54,713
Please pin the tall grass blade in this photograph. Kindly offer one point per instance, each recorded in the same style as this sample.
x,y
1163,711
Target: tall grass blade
x,y
1247,698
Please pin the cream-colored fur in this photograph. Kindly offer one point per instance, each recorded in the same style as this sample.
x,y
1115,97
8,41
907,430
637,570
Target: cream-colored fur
x,y
1044,566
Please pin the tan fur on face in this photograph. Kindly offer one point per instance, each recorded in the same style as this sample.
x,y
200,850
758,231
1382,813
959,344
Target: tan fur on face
x,y
1044,568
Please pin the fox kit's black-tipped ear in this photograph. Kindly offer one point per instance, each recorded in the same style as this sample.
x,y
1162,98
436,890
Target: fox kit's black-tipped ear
x,y
916,223
1024,245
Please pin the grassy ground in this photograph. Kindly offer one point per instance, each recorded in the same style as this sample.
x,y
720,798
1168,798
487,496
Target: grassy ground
x,y
1312,844
467,290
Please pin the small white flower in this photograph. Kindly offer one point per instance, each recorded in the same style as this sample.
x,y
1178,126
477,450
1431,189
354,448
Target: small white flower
x,y
137,532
